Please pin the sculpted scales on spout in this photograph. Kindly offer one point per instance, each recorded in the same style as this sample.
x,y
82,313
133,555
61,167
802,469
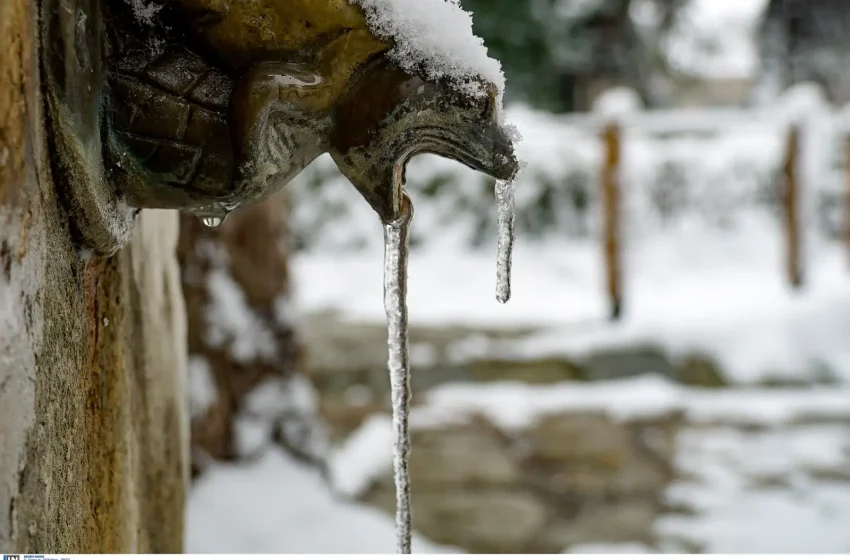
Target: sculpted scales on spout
x,y
214,104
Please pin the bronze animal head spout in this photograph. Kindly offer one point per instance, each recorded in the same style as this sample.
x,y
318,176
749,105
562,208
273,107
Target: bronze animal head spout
x,y
193,126
388,117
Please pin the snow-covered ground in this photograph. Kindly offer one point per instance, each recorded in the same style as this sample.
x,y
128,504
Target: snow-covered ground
x,y
758,470
725,297
782,491
276,505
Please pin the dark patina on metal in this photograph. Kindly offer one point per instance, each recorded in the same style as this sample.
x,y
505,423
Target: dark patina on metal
x,y
205,105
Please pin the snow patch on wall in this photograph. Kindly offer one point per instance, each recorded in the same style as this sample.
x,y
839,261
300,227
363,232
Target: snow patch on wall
x,y
21,331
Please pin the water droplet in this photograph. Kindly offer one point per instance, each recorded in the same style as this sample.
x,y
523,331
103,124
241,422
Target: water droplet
x,y
214,215
213,221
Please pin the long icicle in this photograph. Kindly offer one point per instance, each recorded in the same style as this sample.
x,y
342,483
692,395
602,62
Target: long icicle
x,y
506,218
396,236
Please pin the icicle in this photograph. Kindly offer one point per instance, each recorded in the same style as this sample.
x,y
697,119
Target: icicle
x,y
505,202
395,304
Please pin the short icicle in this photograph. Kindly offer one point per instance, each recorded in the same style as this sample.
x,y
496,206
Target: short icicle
x,y
396,235
506,218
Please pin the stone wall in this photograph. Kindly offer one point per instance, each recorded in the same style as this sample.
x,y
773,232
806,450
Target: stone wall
x,y
93,427
553,455
569,479
347,364
639,464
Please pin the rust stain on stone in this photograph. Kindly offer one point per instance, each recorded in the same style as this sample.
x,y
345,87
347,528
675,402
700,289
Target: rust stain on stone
x,y
15,43
102,386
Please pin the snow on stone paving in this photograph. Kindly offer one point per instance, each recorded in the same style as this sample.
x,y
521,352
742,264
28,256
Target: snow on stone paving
x,y
512,406
754,492
758,470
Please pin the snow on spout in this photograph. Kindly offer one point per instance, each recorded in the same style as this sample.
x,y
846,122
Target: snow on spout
x,y
434,36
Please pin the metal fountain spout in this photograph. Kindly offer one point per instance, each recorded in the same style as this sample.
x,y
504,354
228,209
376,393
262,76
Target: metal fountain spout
x,y
206,105
389,116
205,109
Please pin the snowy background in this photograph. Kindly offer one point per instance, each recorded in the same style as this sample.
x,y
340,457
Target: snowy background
x,y
763,464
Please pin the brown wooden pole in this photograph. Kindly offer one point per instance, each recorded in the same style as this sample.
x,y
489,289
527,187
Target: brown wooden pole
x,y
791,206
611,217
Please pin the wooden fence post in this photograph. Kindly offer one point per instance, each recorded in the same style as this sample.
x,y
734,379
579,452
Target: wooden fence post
x,y
611,216
791,207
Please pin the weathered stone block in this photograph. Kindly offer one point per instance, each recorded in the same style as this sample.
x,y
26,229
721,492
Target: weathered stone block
x,y
93,427
485,520
636,475
617,521
592,438
553,370
460,455
617,363
700,370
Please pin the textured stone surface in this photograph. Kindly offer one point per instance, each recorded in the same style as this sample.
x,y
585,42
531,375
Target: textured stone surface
x,y
592,438
701,370
566,479
344,354
571,478
615,363
92,353
443,457
478,519
608,522
483,521
552,370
